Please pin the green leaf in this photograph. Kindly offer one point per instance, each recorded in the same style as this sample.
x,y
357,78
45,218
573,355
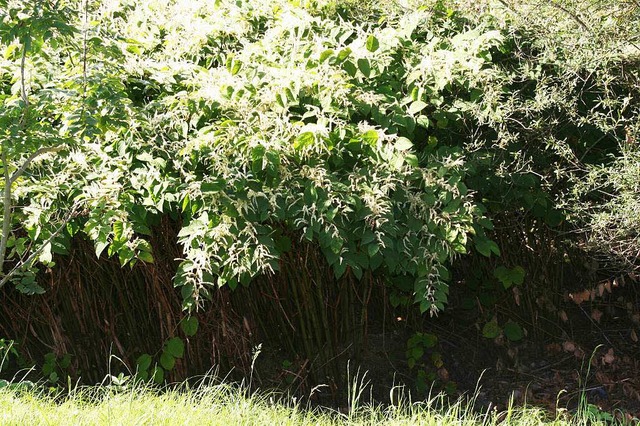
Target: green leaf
x,y
513,331
485,223
324,55
175,347
417,106
372,43
158,375
45,254
485,246
370,137
423,121
310,195
189,326
491,330
283,244
339,268
416,352
509,277
65,362
554,218
429,340
167,361
215,185
368,236
143,362
125,255
118,230
304,140
403,144
411,160
344,54
364,66
350,68
145,256
28,286
425,305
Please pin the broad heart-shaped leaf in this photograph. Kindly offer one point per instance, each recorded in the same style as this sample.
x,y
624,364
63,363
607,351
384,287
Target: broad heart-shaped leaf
x,y
517,275
412,160
158,375
509,277
403,144
372,43
485,246
339,268
417,106
101,243
513,331
175,347
143,362
303,140
370,137
429,340
189,326
350,68
215,185
145,256
167,361
364,66
491,330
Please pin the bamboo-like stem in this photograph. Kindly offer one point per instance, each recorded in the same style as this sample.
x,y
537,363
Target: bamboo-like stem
x,y
364,316
300,310
331,349
308,313
285,327
307,294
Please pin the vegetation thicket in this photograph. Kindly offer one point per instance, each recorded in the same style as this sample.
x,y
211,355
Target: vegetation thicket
x,y
309,161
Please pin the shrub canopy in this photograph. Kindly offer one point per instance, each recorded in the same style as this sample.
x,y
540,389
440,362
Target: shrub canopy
x,y
386,135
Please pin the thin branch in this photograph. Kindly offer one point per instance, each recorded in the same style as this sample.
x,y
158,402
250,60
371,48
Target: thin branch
x,y
570,13
6,216
39,152
557,6
8,179
84,59
23,85
37,252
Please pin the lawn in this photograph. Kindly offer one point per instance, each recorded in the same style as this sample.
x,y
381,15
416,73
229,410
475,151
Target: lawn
x,y
222,404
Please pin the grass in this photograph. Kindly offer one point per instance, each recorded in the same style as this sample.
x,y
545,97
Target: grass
x,y
224,404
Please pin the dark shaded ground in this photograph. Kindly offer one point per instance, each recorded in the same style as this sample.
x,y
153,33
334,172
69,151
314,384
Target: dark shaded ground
x,y
590,348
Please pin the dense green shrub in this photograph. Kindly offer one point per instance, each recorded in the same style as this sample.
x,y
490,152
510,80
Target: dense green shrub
x,y
247,128
384,136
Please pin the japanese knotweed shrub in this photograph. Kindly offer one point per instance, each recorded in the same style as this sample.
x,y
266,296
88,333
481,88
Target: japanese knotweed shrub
x,y
253,124
306,125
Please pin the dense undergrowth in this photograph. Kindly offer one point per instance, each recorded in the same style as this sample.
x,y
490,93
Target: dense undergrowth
x,y
296,172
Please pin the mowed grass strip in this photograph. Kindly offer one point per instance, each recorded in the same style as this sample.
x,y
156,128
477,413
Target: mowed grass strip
x,y
230,405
